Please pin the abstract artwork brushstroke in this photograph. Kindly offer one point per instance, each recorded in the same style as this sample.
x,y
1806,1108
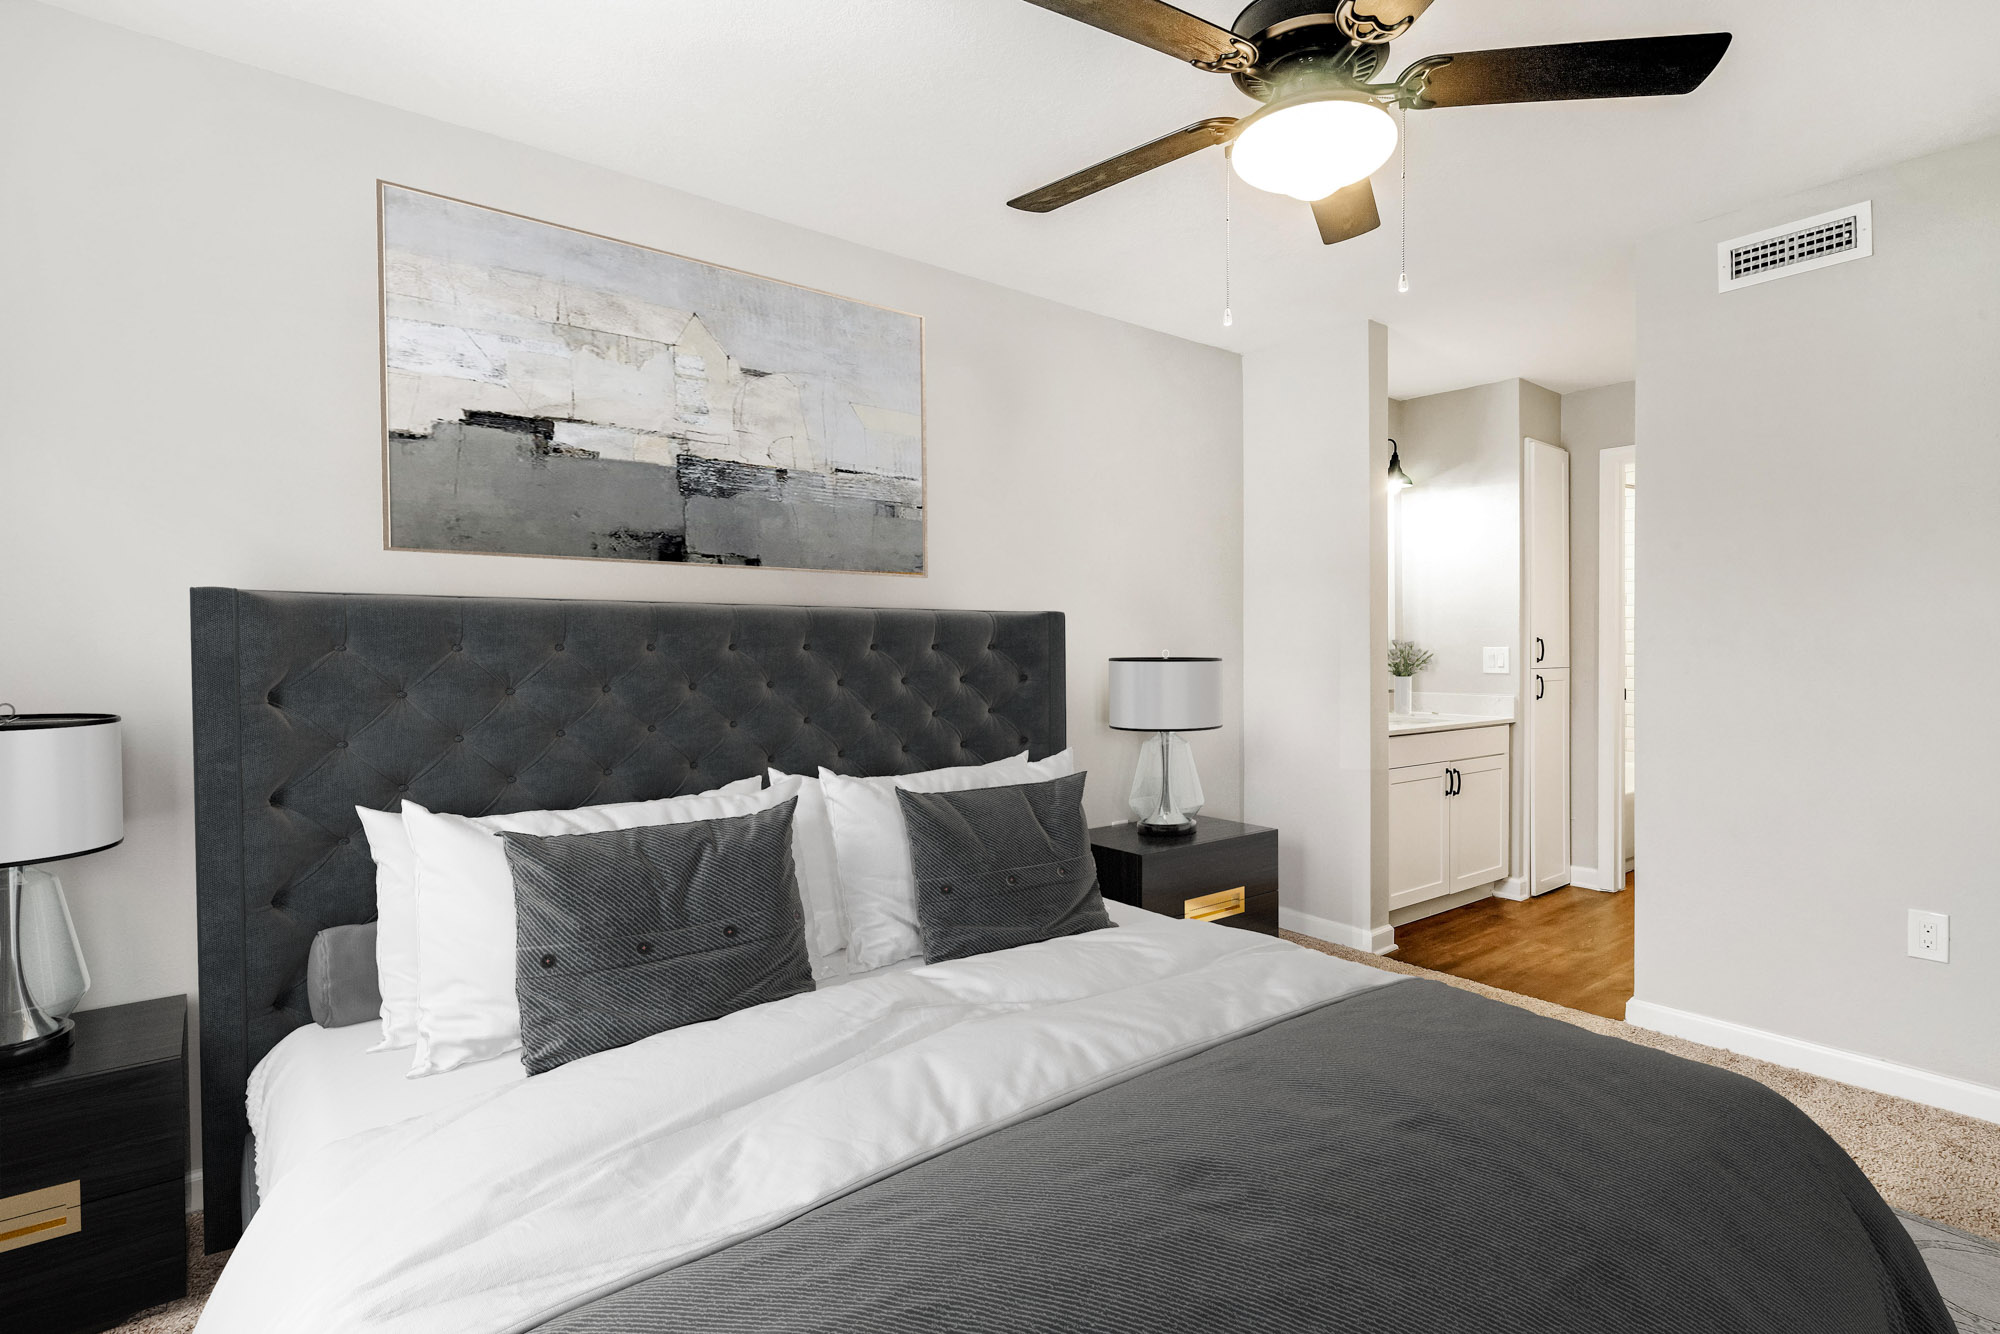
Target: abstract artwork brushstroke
x,y
548,392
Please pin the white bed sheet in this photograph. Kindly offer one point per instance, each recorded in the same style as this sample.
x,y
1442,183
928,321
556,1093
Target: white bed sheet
x,y
543,1193
321,1085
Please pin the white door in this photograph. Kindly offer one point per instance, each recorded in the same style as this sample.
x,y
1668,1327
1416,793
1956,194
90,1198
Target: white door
x,y
1548,556
1419,846
1478,811
1548,781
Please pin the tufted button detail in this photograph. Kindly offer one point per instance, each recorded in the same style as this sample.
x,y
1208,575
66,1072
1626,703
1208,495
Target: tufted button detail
x,y
1062,868
906,750
906,680
1013,880
271,700
607,773
732,648
961,680
345,841
510,690
341,744
1024,676
691,686
840,754
805,648
559,648
729,931
607,690
510,778
548,961
874,648
649,648
732,724
806,719
645,947
402,694
944,889
873,716
458,738
560,732
340,648
402,787
693,765
650,727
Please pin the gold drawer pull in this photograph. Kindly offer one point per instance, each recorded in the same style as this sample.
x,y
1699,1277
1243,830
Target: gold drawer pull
x,y
1226,903
41,1215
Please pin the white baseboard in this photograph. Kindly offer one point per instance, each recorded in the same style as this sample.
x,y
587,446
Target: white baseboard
x,y
1849,1067
1514,887
1381,940
1586,877
194,1191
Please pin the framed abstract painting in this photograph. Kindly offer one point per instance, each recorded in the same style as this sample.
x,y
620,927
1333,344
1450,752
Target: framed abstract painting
x,y
551,392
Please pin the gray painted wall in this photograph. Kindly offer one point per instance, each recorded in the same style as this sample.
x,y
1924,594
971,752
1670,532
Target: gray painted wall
x,y
1592,420
1820,540
193,359
1459,533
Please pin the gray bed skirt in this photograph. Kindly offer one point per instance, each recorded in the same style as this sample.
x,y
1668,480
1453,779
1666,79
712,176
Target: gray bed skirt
x,y
1412,1158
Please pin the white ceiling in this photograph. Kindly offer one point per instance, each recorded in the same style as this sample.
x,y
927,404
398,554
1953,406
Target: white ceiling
x,y
906,124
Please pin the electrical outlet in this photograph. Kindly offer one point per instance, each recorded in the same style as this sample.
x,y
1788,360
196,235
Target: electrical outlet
x,y
1495,661
1930,936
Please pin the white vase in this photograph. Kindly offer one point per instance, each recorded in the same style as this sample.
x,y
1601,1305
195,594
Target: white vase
x,y
1404,694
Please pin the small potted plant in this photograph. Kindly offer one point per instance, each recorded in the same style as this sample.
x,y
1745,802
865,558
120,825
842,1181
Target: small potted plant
x,y
1405,661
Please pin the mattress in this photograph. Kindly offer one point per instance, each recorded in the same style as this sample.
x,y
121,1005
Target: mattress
x,y
322,1085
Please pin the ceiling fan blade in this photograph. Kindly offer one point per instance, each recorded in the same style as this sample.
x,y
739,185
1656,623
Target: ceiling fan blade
x,y
1164,28
1167,148
1385,20
1631,67
1347,213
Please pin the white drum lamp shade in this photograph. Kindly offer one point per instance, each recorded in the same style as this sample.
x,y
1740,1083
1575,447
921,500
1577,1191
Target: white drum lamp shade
x,y
62,786
1166,694
61,795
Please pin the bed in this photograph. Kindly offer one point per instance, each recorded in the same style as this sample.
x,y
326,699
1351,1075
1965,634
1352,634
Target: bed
x,y
1168,1125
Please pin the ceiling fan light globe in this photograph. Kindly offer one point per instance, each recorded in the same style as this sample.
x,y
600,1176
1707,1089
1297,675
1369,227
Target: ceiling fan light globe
x,y
1310,149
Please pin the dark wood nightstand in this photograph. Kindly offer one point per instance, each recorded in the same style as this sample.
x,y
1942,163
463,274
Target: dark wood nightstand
x,y
93,1161
1224,872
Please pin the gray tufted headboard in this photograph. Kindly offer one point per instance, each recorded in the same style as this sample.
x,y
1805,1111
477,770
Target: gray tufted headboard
x,y
309,704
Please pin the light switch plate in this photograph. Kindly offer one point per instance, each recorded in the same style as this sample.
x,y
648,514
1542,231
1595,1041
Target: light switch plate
x,y
1495,661
1930,936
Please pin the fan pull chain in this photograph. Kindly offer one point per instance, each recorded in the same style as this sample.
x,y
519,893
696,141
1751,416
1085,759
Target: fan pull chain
x,y
1403,203
1228,235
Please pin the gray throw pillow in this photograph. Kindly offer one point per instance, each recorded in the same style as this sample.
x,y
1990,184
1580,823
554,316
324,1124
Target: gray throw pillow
x,y
342,986
627,933
1001,866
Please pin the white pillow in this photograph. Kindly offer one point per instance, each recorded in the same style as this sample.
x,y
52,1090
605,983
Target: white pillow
x,y
819,882
395,923
878,886
467,1009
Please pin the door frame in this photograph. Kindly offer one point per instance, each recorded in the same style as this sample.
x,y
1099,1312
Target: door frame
x,y
1611,662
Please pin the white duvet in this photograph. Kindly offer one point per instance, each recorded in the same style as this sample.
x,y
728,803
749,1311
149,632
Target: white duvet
x,y
509,1208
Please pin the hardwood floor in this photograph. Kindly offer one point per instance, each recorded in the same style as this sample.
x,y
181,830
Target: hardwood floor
x,y
1569,947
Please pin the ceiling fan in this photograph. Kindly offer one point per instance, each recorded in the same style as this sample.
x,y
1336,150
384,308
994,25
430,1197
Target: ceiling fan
x,y
1324,127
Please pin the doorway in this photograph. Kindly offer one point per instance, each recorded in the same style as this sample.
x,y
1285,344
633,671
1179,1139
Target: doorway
x,y
1617,663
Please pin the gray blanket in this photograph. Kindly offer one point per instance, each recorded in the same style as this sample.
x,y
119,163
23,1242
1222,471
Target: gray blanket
x,y
1413,1158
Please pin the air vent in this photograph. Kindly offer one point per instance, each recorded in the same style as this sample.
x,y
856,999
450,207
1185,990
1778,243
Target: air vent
x,y
1810,243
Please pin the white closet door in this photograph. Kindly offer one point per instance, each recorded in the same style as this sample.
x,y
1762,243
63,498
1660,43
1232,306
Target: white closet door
x,y
1548,781
1479,821
1548,556
1419,843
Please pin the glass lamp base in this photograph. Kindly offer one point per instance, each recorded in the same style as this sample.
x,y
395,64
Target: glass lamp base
x,y
35,1049
1166,792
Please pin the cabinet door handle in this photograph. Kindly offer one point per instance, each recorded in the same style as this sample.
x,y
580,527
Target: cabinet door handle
x,y
1538,686
1541,649
1457,782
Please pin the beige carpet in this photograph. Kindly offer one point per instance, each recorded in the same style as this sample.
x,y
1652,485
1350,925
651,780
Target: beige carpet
x,y
1933,1163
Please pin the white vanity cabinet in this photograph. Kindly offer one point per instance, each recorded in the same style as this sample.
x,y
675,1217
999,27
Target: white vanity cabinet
x,y
1448,812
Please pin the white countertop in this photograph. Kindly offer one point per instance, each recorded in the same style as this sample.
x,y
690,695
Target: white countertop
x,y
1403,724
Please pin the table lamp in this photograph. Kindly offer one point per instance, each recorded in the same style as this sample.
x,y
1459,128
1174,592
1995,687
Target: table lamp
x,y
61,795
1166,696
